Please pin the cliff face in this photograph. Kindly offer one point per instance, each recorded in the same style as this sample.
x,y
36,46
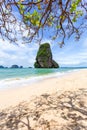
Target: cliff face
x,y
44,57
14,66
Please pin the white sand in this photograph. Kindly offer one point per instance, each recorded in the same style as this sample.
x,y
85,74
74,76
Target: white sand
x,y
71,82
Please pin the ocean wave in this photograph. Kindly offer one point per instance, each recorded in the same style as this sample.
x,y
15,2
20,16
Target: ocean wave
x,y
21,82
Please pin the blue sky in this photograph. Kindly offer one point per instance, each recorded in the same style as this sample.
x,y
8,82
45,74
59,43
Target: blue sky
x,y
73,53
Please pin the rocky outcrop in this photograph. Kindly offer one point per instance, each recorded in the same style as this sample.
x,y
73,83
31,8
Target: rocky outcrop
x,y
30,67
14,66
21,67
1,66
44,57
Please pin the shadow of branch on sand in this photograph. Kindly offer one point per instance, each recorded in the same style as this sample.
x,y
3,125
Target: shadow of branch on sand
x,y
67,111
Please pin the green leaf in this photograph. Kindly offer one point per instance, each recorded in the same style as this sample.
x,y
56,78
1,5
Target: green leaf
x,y
21,7
58,27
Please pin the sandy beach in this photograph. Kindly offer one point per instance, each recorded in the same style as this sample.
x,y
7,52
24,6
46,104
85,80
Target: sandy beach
x,y
72,81
74,84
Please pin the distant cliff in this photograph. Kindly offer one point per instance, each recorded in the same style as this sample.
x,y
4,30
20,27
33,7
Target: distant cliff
x,y
1,66
16,66
44,57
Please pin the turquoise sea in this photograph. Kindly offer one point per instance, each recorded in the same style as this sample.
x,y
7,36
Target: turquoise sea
x,y
21,77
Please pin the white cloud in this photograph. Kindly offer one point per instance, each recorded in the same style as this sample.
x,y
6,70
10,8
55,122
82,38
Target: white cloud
x,y
72,59
23,54
73,54
85,43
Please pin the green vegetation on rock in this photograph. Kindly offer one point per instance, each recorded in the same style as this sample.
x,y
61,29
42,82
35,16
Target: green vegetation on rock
x,y
44,50
44,57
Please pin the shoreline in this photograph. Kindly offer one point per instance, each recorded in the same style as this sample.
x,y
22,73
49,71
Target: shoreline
x,y
71,82
51,104
13,83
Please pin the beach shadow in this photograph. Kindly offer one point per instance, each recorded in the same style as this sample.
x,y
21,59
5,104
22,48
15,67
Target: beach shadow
x,y
67,111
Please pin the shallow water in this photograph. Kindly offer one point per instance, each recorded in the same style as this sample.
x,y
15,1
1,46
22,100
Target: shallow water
x,y
22,77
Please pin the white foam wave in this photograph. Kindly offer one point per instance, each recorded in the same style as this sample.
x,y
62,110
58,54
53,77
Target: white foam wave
x,y
21,82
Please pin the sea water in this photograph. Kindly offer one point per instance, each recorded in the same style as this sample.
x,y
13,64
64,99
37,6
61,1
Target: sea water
x,y
10,77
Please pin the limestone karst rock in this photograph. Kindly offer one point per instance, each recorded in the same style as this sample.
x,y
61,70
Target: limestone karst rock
x,y
44,57
14,66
